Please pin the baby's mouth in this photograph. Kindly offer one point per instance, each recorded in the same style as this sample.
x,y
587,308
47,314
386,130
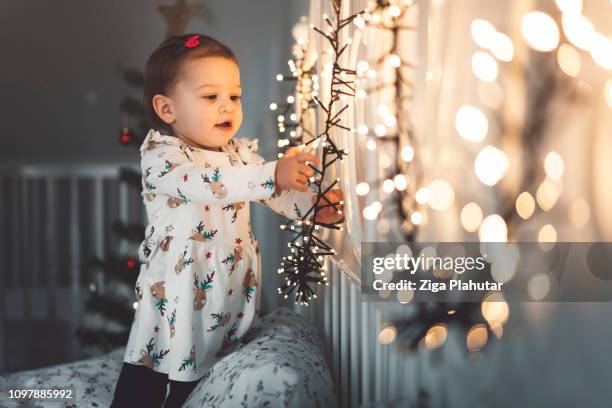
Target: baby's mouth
x,y
224,125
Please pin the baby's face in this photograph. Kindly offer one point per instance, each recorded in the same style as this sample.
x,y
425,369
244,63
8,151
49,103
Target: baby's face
x,y
206,102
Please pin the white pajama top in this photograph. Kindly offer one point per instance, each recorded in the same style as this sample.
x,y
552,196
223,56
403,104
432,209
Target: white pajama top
x,y
198,289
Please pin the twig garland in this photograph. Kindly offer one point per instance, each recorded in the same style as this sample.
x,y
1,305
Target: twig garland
x,y
305,264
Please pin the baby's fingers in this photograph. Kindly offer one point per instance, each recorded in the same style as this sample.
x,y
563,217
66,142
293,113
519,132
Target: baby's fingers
x,y
308,157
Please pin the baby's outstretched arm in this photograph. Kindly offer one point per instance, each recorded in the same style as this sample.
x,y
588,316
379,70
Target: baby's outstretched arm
x,y
167,170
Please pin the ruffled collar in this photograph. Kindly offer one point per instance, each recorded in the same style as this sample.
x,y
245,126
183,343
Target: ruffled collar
x,y
242,147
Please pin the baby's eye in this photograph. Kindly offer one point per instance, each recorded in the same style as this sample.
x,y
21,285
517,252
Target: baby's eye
x,y
210,97
235,97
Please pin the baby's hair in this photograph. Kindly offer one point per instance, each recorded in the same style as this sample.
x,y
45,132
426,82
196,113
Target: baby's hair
x,y
163,66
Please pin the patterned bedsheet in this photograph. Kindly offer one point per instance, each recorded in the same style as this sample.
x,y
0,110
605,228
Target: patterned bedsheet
x,y
280,363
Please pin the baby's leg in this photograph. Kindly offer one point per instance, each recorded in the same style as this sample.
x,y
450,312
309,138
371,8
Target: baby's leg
x,y
139,386
179,391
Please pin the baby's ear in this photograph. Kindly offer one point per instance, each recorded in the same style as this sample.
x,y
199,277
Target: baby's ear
x,y
163,108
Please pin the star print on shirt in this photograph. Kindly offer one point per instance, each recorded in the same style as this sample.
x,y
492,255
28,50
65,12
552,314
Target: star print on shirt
x,y
185,177
156,329
229,292
238,241
206,208
208,255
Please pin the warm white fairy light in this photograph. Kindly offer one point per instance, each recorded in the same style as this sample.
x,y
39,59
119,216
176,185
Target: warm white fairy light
x,y
273,106
477,337
387,335
547,237
441,195
135,305
362,188
395,11
400,181
601,51
372,74
436,336
359,22
422,195
484,66
525,205
490,165
388,186
538,286
383,110
471,217
579,30
290,99
362,129
395,61
279,77
502,47
494,309
361,94
370,213
568,59
281,118
554,166
482,32
548,193
371,144
380,130
407,153
376,205
573,7
579,212
471,123
493,229
416,218
390,121
540,31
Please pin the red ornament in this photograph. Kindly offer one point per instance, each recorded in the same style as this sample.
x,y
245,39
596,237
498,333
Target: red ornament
x,y
192,41
126,135
130,263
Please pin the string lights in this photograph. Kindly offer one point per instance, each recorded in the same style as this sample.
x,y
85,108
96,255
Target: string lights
x,y
303,267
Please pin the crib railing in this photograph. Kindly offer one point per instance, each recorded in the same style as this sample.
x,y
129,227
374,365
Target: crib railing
x,y
53,218
366,373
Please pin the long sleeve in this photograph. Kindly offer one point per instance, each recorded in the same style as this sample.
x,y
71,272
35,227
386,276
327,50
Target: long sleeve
x,y
168,169
292,204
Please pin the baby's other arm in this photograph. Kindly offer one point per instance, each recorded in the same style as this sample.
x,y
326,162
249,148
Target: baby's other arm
x,y
168,170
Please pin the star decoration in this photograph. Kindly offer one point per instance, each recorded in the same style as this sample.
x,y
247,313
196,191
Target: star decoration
x,y
229,292
206,208
178,15
238,241
208,255
185,177
156,329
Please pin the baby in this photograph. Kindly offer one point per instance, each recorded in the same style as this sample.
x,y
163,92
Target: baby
x,y
198,290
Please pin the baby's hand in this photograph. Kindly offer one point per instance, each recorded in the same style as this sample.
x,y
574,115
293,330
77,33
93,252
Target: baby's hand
x,y
292,170
328,214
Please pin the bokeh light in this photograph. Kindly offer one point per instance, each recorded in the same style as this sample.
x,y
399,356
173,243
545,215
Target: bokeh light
x,y
471,217
493,229
490,165
525,205
540,31
471,123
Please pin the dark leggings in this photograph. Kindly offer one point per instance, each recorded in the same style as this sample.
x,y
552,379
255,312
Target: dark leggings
x,y
139,386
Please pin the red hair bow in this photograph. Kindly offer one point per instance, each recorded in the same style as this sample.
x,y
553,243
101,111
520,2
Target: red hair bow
x,y
192,41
